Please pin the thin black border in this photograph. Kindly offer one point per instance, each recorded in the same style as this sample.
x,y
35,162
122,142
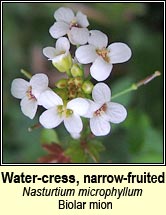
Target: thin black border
x,y
80,164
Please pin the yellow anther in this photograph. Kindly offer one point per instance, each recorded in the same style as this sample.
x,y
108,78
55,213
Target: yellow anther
x,y
104,54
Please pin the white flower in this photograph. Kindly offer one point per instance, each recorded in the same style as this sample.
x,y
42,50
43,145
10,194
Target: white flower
x,y
101,56
60,55
102,111
74,26
29,92
75,135
58,111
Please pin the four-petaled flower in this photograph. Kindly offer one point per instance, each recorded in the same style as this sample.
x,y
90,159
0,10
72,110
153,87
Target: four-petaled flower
x,y
60,55
74,26
102,111
101,56
29,92
58,111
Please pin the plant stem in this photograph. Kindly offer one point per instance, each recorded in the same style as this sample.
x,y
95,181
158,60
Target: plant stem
x,y
92,156
131,88
68,72
38,125
26,74
85,147
135,86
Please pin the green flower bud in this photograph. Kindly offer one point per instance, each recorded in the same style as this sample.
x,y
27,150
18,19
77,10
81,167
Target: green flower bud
x,y
70,82
78,81
62,83
72,94
87,87
63,64
74,87
76,71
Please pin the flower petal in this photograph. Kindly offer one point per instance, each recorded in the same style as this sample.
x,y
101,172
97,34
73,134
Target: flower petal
x,y
119,52
78,105
93,106
100,69
115,112
64,14
82,19
29,107
50,52
19,88
75,135
39,83
78,36
98,39
50,118
86,54
99,126
59,58
58,29
101,93
62,44
49,99
73,124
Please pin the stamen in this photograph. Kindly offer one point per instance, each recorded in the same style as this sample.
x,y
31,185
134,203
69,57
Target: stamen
x,y
74,24
62,52
68,112
29,94
101,110
62,111
104,54
74,87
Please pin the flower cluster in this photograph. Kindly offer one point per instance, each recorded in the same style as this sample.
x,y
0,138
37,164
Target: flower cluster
x,y
75,96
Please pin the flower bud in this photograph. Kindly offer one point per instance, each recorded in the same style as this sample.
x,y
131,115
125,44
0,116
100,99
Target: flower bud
x,y
78,82
76,71
72,94
70,82
62,83
63,63
87,87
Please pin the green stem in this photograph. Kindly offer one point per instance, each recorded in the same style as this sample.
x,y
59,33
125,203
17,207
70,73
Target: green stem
x,y
86,150
26,74
131,88
92,156
135,86
38,125
69,73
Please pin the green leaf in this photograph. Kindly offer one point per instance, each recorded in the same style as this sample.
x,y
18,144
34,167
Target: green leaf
x,y
49,136
76,152
84,151
94,149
